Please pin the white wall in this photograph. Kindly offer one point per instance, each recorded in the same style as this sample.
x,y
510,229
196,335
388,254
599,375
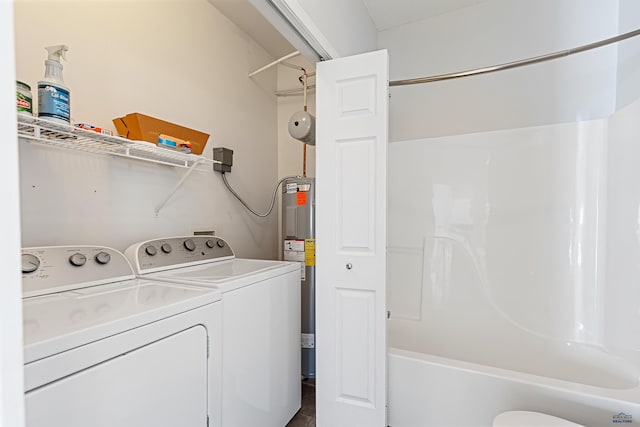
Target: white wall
x,y
516,194
512,215
495,228
628,55
580,87
623,228
180,61
11,381
623,219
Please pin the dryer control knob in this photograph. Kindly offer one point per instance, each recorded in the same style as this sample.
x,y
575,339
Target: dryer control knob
x,y
151,250
30,263
166,248
77,259
220,243
189,245
102,257
210,243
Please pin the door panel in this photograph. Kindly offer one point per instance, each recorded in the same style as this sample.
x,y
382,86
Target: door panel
x,y
356,169
356,367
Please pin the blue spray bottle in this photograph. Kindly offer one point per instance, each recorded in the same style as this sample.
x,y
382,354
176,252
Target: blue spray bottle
x,y
54,98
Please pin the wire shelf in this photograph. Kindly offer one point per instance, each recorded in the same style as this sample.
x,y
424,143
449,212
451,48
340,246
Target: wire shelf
x,y
61,135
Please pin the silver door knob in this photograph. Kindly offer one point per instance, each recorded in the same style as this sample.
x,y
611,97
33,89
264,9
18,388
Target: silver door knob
x,y
349,266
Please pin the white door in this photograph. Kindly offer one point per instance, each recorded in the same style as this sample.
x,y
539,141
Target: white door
x,y
351,200
11,382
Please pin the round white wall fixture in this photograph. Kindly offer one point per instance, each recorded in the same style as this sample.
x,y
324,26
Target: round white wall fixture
x,y
302,126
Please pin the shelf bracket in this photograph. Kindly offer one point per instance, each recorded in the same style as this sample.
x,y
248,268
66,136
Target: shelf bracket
x,y
177,186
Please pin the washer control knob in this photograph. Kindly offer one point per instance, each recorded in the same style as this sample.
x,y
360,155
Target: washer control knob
x,y
210,244
103,257
77,259
190,245
166,248
151,250
220,243
30,263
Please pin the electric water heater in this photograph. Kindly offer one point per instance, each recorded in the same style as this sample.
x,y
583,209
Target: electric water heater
x,y
299,231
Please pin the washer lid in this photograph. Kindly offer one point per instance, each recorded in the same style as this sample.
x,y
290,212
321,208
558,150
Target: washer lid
x,y
226,275
62,321
530,419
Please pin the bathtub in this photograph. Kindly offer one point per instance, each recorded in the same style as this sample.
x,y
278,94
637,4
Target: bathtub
x,y
432,391
461,360
458,355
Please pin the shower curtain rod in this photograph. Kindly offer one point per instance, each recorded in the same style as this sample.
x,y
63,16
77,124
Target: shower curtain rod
x,y
515,64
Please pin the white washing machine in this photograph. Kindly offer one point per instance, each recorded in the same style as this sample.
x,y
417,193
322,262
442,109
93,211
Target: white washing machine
x,y
103,348
260,322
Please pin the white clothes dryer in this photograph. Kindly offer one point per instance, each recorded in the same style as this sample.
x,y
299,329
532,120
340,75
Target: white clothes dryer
x,y
261,384
103,348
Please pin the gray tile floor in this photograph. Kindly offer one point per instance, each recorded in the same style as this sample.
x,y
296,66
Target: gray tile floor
x,y
306,416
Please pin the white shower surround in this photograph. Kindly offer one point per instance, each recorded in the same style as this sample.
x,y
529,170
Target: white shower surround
x,y
513,272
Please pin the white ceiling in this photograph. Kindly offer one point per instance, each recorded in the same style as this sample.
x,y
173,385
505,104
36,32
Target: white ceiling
x,y
385,14
248,19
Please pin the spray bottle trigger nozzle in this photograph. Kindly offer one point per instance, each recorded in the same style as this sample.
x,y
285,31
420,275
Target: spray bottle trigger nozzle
x,y
57,52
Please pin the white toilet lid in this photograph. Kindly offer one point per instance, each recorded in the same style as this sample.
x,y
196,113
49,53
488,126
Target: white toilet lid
x,y
530,419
